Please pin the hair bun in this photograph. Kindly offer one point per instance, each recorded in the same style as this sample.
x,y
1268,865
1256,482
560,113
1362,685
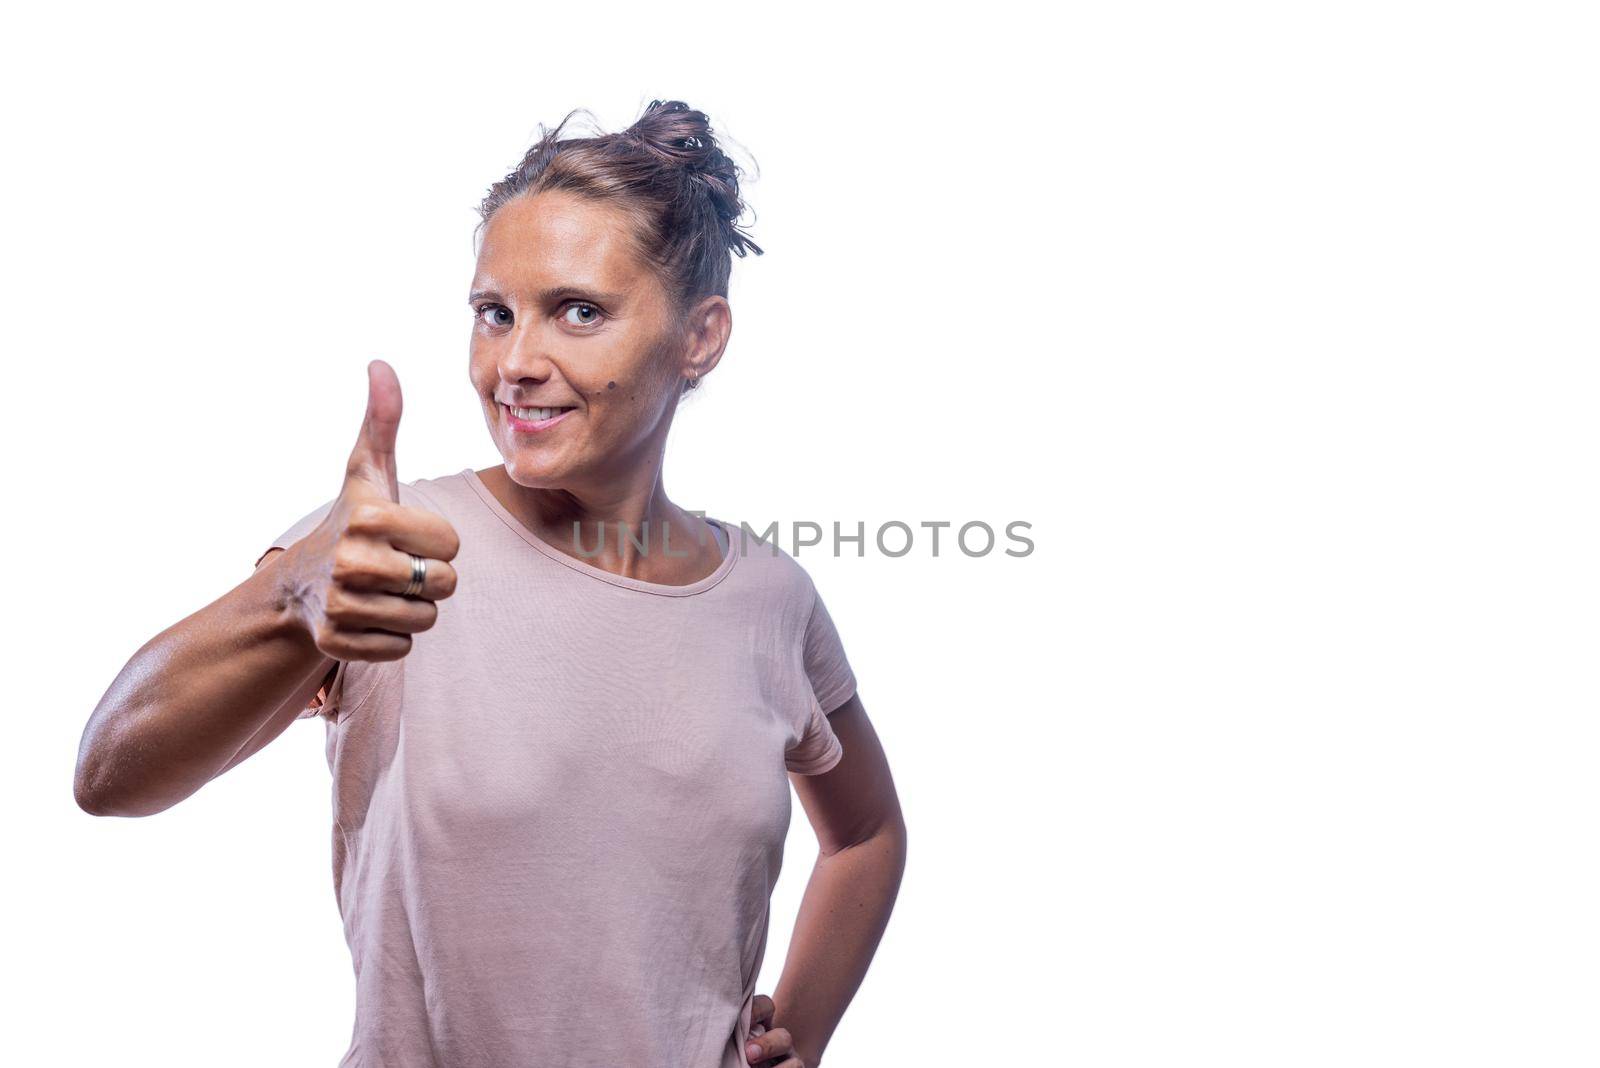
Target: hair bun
x,y
676,133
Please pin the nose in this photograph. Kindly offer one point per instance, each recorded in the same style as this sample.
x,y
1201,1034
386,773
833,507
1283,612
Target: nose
x,y
523,357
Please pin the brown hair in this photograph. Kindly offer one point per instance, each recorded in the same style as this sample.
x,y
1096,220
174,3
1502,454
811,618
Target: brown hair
x,y
667,172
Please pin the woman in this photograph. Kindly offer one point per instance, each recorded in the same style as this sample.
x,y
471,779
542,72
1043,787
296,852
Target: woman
x,y
563,714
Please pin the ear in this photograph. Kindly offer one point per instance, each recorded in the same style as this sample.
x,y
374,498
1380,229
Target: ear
x,y
707,326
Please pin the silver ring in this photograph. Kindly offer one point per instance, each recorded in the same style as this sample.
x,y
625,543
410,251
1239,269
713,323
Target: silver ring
x,y
419,572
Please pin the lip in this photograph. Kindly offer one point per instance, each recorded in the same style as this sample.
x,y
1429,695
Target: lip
x,y
525,426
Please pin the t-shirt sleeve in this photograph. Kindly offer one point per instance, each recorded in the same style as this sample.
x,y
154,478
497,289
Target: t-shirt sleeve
x,y
831,678
300,528
327,701
832,684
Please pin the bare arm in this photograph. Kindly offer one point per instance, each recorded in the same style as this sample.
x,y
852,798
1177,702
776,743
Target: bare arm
x,y
861,835
215,687
194,698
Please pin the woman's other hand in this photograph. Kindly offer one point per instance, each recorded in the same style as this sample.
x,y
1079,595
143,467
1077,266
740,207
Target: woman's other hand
x,y
773,1047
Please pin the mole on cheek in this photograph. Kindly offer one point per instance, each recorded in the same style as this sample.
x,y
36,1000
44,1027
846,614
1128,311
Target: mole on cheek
x,y
611,385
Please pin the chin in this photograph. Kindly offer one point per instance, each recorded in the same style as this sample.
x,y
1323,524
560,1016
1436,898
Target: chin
x,y
532,472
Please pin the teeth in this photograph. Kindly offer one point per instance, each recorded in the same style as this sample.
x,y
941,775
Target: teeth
x,y
536,414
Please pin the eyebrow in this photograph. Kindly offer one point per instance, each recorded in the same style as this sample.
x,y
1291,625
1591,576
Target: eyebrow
x,y
552,295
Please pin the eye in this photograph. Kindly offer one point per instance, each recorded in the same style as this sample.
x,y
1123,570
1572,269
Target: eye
x,y
477,313
582,307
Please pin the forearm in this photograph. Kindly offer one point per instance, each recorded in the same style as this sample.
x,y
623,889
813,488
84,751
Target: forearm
x,y
193,695
842,917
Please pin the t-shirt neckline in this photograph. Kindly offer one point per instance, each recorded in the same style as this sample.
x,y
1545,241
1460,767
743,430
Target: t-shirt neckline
x,y
729,557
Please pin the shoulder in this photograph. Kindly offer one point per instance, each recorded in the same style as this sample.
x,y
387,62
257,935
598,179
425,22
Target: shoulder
x,y
766,563
444,494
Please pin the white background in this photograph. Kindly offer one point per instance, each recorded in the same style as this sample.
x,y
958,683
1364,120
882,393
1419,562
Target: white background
x,y
1277,322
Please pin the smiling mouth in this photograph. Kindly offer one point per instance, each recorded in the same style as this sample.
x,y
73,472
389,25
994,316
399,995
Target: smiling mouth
x,y
534,420
537,415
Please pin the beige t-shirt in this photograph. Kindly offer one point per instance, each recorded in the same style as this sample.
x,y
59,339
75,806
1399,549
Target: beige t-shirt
x,y
559,819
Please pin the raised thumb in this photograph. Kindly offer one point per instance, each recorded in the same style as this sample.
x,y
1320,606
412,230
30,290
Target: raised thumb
x,y
372,459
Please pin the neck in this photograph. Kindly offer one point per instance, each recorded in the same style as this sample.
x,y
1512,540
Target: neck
x,y
623,522
623,505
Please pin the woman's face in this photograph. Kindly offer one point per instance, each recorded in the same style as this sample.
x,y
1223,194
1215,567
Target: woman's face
x,y
567,317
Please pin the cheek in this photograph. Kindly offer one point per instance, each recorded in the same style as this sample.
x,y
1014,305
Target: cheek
x,y
480,370
611,408
634,397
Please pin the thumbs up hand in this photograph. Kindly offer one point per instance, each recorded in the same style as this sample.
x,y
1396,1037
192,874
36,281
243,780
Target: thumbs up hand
x,y
355,567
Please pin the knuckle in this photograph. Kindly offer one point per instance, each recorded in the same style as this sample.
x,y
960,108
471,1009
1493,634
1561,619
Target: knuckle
x,y
337,607
344,568
352,564
327,637
368,517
